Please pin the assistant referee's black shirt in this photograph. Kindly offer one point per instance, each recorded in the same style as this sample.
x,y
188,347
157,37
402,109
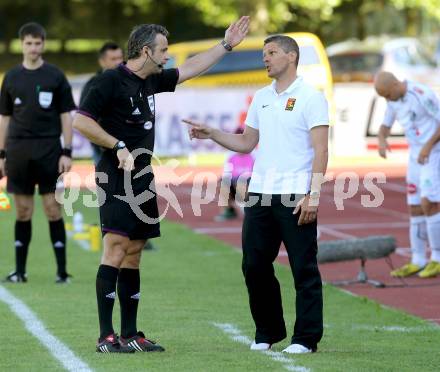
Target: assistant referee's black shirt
x,y
123,104
35,99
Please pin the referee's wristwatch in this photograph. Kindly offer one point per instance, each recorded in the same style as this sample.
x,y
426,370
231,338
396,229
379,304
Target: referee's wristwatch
x,y
119,146
2,154
226,45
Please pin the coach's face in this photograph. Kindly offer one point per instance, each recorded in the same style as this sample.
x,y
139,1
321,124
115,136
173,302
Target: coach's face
x,y
32,47
276,60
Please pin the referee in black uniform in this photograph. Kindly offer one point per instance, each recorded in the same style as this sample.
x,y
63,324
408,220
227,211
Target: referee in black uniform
x,y
110,55
119,115
35,105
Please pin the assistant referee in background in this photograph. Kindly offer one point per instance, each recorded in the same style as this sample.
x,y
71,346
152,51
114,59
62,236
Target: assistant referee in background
x,y
35,105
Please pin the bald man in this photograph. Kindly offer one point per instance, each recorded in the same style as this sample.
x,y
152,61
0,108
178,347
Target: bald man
x,y
417,109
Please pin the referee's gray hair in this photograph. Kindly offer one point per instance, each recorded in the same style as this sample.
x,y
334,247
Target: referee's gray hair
x,y
286,43
143,35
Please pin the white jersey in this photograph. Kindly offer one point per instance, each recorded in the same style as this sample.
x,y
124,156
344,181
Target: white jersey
x,y
418,112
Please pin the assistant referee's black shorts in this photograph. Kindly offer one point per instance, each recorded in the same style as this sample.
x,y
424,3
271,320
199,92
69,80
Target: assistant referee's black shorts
x,y
31,162
135,219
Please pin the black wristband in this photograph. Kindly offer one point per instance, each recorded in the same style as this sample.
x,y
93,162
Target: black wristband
x,y
67,152
2,154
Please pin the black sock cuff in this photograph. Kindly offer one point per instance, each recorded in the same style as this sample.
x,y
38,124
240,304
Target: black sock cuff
x,y
107,272
57,223
23,223
129,275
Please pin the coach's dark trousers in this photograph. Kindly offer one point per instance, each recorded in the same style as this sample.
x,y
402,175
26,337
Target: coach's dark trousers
x,y
264,228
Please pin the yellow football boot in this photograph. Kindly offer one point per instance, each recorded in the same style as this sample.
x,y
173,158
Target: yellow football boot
x,y
406,270
431,270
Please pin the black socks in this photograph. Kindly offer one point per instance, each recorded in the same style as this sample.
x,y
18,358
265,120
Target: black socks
x,y
105,295
23,232
128,293
58,237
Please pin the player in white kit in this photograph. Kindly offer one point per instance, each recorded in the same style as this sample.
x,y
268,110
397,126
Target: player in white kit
x,y
417,108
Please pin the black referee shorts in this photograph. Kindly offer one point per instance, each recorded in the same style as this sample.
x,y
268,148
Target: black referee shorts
x,y
120,213
30,162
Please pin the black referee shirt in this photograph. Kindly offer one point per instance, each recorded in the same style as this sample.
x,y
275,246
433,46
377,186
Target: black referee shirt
x,y
35,99
123,104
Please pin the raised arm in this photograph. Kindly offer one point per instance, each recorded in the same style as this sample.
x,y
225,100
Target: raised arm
x,y
201,62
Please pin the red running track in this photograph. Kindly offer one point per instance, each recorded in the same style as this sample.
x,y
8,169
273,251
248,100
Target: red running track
x,y
420,297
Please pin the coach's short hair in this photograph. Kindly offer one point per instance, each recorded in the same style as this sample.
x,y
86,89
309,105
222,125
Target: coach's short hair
x,y
109,45
32,28
143,35
286,43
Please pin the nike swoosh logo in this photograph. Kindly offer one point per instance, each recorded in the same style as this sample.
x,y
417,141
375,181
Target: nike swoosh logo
x,y
264,106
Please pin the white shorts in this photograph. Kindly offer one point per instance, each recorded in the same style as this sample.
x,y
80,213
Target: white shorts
x,y
423,181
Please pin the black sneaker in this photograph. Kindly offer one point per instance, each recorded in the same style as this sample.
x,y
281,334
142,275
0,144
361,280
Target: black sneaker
x,y
111,344
16,277
140,343
63,278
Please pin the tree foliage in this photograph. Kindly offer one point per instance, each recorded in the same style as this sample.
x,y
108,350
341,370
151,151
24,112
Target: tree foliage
x,y
332,20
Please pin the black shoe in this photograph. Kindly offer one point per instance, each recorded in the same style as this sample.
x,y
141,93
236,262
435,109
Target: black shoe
x,y
140,343
63,278
16,277
111,344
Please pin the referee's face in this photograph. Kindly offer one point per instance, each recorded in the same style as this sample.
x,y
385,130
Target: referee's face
x,y
275,59
32,47
159,55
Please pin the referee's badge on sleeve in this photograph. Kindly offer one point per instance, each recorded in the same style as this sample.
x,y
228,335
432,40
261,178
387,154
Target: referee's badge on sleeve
x,y
290,104
45,99
151,103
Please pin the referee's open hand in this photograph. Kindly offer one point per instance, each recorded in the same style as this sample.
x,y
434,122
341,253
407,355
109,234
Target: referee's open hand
x,y
126,161
308,212
237,31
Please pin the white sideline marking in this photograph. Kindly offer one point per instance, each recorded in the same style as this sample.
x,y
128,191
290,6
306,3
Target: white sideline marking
x,y
217,230
34,325
330,228
236,335
396,328
380,211
333,232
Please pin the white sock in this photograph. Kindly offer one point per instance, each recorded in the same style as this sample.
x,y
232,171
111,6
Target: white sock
x,y
418,238
433,227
